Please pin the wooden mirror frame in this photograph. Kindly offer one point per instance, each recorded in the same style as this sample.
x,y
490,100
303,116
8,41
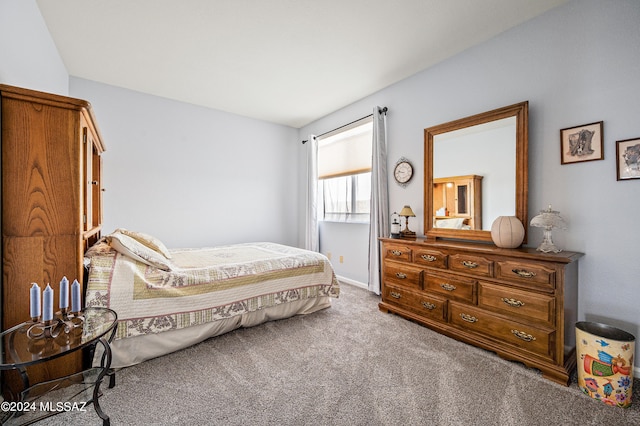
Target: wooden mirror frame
x,y
521,112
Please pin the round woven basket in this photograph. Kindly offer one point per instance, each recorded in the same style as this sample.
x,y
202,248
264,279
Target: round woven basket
x,y
507,232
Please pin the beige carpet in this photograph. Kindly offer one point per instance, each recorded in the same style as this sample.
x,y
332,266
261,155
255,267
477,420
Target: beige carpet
x,y
347,365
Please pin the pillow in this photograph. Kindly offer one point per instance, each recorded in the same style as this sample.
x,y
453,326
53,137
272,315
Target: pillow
x,y
147,240
455,223
101,247
132,248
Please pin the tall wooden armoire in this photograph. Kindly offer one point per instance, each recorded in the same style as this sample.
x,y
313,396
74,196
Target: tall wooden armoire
x,y
51,204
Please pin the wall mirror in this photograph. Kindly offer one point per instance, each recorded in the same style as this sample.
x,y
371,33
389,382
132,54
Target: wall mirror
x,y
476,169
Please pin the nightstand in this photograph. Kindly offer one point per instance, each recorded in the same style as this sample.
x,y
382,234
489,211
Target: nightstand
x,y
70,393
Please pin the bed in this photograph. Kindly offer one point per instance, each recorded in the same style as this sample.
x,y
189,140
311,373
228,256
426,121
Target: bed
x,y
167,300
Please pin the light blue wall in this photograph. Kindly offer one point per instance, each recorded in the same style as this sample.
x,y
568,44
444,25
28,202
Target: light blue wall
x,y
576,64
193,176
349,241
28,56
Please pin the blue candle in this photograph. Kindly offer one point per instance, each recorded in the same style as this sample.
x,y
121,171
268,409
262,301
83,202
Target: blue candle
x,y
34,301
75,296
47,304
64,293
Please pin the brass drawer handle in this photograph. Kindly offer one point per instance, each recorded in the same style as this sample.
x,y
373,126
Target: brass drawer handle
x,y
429,306
513,302
395,295
469,264
401,275
429,258
396,252
523,273
468,318
448,287
523,336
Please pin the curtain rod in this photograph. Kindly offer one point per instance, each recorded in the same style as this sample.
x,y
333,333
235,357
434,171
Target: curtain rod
x,y
382,110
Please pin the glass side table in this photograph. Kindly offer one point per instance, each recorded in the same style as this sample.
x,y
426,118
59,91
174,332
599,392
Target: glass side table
x,y
27,344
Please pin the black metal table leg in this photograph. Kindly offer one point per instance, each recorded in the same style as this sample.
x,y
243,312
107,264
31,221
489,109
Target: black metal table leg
x,y
112,378
106,367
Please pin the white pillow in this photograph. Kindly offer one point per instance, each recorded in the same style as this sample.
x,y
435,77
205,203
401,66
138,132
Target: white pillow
x,y
134,249
455,223
147,240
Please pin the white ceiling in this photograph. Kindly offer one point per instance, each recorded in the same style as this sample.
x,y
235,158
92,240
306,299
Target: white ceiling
x,y
284,61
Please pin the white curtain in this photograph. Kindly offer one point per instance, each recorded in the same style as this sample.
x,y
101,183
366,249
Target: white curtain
x,y
379,219
311,240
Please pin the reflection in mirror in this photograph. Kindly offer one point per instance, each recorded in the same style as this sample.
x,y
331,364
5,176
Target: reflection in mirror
x,y
487,150
476,170
457,202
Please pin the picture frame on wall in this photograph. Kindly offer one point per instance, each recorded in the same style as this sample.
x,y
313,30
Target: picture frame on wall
x,y
582,143
628,159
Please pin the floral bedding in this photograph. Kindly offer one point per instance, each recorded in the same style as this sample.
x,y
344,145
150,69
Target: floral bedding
x,y
204,285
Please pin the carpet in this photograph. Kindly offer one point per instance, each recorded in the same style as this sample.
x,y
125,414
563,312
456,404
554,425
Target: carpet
x,y
347,365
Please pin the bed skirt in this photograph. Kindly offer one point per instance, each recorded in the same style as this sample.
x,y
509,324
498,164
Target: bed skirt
x,y
134,350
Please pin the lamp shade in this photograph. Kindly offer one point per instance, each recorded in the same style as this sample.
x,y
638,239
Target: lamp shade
x,y
507,232
406,211
549,219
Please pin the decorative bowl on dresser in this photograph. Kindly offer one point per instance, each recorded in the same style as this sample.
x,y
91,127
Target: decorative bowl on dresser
x,y
518,303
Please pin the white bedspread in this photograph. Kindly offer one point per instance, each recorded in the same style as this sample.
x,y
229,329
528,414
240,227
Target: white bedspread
x,y
206,285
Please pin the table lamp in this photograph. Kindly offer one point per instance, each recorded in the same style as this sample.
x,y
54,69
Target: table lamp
x,y
548,219
407,213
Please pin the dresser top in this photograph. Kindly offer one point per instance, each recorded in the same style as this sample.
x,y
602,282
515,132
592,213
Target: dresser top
x,y
488,249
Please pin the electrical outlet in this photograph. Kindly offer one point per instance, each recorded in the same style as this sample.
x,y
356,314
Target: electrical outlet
x,y
329,255
341,259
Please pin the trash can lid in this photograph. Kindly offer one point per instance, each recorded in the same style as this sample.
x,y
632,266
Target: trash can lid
x,y
606,331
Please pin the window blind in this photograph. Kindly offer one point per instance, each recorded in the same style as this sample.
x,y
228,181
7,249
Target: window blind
x,y
347,151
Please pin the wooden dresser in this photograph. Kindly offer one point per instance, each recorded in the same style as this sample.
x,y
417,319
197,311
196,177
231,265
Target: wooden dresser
x,y
51,201
519,303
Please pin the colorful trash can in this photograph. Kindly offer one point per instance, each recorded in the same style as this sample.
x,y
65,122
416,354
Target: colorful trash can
x,y
605,363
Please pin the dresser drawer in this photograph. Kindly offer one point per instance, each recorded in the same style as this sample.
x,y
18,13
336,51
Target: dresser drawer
x,y
530,274
430,258
397,252
537,340
476,265
518,303
421,303
403,274
450,286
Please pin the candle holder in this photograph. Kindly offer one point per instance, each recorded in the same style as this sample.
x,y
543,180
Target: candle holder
x,y
64,322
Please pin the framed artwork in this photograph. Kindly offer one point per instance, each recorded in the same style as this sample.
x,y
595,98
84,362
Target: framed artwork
x,y
581,143
628,159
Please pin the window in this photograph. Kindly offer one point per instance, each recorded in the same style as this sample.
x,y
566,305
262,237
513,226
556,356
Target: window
x,y
347,198
344,172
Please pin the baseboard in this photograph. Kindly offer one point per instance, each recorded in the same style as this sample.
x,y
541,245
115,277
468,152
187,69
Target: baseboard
x,y
352,282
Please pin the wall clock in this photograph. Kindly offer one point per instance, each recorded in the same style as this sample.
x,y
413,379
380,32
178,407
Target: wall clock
x,y
403,171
